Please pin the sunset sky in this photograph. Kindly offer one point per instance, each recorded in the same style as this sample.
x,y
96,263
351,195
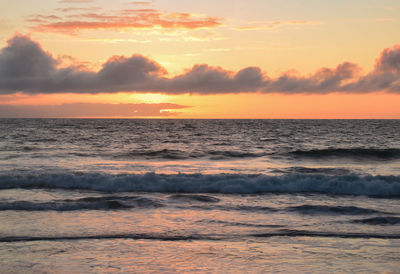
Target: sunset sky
x,y
200,59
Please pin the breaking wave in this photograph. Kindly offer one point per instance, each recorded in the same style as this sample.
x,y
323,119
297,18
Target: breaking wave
x,y
376,186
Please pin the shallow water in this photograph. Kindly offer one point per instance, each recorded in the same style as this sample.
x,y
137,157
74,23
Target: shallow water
x,y
199,195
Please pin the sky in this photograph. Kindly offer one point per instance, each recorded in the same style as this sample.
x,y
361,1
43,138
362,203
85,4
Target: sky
x,y
200,59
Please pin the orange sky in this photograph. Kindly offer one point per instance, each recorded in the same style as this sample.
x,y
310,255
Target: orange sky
x,y
262,59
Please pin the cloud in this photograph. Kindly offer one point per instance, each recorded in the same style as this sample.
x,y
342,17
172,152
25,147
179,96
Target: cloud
x,y
72,9
385,76
203,79
140,3
4,25
75,1
389,60
89,110
26,67
325,80
275,24
141,18
42,18
384,19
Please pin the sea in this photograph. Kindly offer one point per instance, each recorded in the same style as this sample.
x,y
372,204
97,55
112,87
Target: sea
x,y
202,196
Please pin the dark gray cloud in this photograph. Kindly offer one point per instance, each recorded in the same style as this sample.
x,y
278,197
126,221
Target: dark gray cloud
x,y
325,80
204,79
26,67
90,110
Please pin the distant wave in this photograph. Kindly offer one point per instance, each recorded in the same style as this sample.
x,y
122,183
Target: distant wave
x,y
378,186
88,203
175,154
170,154
196,198
360,153
234,208
216,154
305,233
314,170
379,221
102,237
331,210
302,209
60,206
226,223
167,237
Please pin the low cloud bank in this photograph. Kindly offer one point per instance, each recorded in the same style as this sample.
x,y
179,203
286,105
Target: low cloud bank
x,y
26,67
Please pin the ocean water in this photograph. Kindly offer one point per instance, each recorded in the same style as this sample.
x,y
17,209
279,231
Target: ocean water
x,y
225,196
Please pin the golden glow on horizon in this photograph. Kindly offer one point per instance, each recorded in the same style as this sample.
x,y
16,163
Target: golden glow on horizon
x,y
253,105
247,106
150,98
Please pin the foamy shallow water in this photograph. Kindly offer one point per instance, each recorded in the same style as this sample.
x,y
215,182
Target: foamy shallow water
x,y
299,255
68,231
100,196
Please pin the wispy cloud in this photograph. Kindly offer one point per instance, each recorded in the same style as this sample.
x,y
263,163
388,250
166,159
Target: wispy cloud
x,y
78,9
90,18
139,3
75,1
42,18
4,24
116,40
386,19
219,50
275,24
26,67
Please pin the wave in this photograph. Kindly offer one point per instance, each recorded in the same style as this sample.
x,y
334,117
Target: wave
x,y
359,153
88,203
302,209
104,237
195,198
332,210
304,233
239,224
169,154
239,208
226,154
379,221
314,170
210,237
174,154
376,186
